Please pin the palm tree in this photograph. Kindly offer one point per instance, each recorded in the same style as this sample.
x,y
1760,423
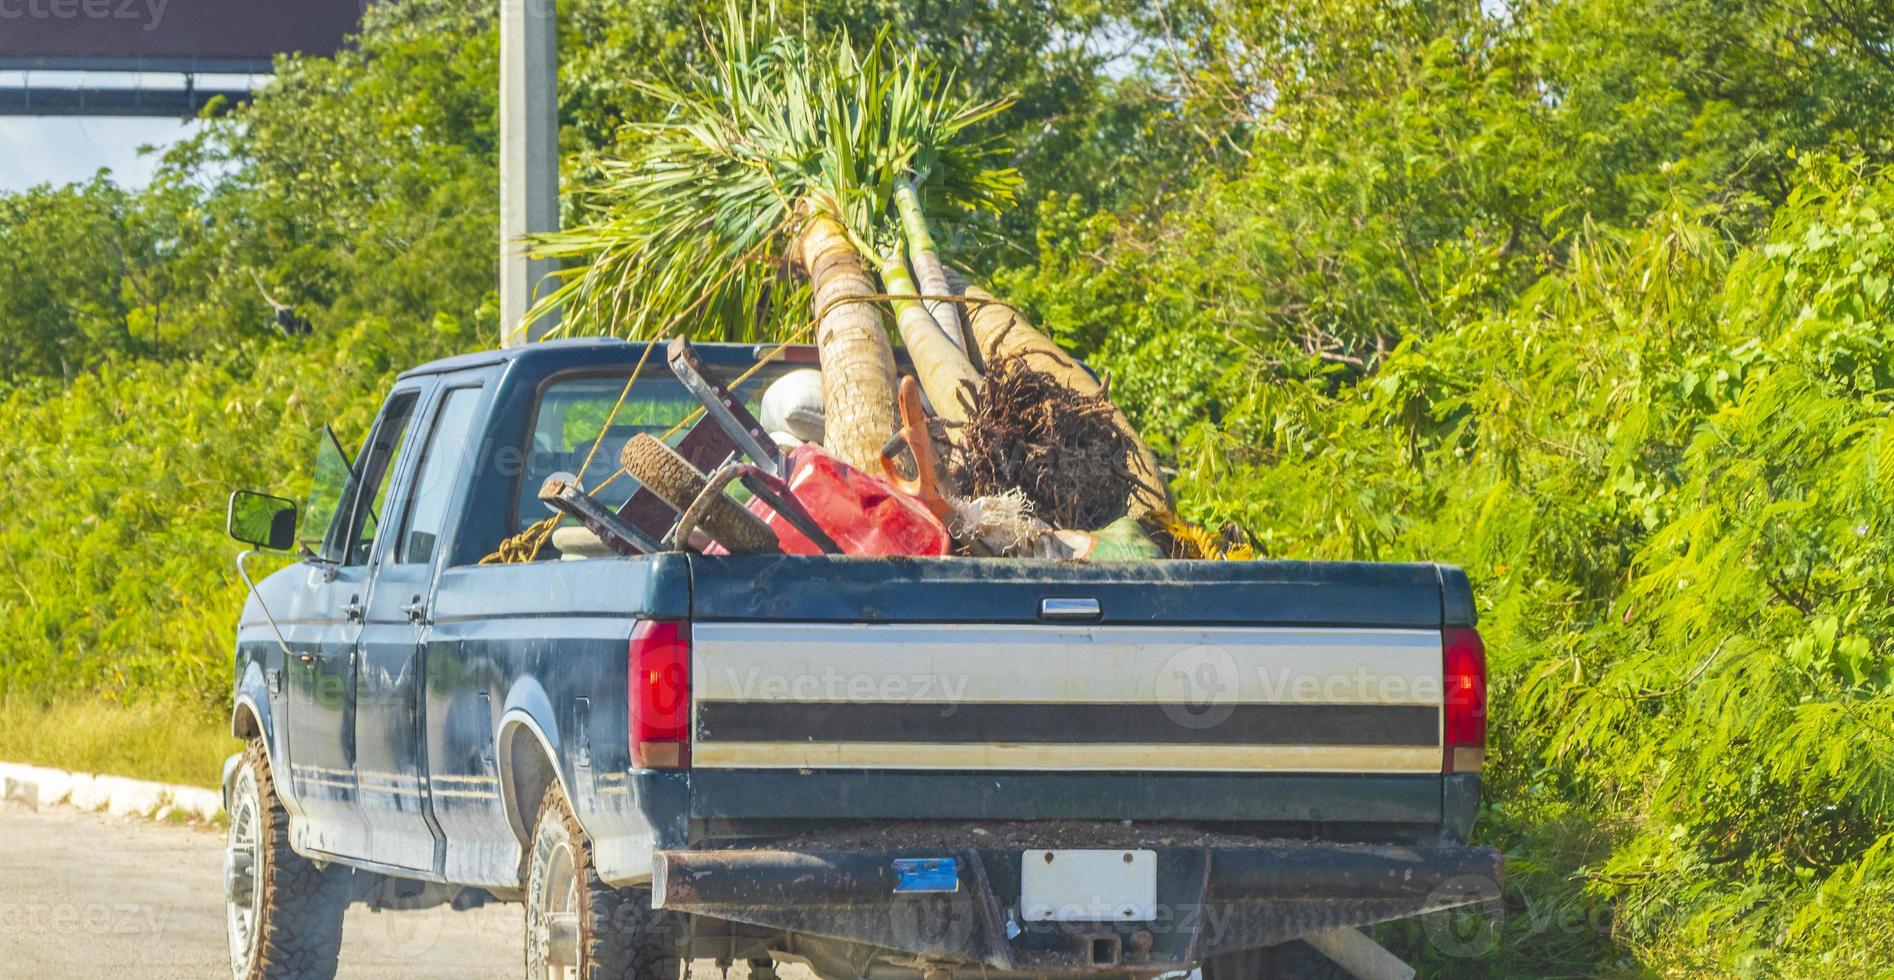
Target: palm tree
x,y
929,272
780,161
940,364
857,365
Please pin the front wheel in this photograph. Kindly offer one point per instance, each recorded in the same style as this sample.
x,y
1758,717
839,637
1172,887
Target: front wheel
x,y
282,912
578,927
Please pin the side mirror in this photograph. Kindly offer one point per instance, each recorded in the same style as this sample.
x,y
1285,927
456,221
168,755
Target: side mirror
x,y
261,520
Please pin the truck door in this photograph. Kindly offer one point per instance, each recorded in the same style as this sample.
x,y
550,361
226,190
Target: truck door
x,y
322,673
390,761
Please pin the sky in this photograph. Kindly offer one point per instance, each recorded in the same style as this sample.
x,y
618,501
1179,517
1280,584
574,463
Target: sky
x,y
58,150
35,150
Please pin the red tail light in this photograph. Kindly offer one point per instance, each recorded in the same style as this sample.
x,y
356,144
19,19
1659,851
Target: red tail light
x,y
1463,669
659,691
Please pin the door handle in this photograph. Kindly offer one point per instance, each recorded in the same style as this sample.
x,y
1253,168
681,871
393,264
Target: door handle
x,y
306,657
353,609
416,610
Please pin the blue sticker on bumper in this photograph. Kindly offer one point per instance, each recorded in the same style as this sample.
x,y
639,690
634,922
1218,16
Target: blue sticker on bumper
x,y
919,875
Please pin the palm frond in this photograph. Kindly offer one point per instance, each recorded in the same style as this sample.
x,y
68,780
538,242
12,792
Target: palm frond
x,y
689,230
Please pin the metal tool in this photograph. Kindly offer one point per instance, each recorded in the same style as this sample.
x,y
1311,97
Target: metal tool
x,y
776,493
724,409
618,534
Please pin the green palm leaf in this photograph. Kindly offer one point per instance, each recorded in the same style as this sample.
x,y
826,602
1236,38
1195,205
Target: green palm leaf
x,y
689,230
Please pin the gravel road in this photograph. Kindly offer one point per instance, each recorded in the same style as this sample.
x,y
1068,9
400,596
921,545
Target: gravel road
x,y
86,895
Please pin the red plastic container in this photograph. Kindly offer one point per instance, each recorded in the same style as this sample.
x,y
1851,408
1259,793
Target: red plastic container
x,y
862,513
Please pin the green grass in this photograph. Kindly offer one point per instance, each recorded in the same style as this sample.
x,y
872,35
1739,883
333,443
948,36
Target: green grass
x,y
153,741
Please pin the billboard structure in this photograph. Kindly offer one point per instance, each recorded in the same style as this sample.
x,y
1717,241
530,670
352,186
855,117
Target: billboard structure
x,y
190,37
238,36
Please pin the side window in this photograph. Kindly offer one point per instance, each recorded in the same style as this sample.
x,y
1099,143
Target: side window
x,y
447,445
328,492
373,471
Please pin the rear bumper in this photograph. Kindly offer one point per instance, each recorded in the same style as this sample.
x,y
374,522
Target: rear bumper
x,y
1210,900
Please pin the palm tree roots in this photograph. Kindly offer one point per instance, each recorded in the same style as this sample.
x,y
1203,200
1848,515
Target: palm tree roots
x,y
1027,429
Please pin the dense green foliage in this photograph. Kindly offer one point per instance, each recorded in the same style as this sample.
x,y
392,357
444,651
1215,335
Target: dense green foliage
x,y
1667,467
1589,296
1553,298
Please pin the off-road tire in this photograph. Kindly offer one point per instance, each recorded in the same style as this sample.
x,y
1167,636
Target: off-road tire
x,y
677,483
620,936
1293,960
298,928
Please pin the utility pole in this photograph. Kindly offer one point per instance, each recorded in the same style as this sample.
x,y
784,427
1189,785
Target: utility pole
x,y
529,159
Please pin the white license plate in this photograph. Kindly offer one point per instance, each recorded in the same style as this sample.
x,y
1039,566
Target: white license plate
x,y
1088,886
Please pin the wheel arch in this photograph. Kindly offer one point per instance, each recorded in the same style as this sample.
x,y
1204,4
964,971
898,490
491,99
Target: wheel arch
x,y
529,764
247,719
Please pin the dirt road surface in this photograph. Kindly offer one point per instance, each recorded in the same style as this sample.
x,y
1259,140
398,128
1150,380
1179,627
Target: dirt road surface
x,y
86,895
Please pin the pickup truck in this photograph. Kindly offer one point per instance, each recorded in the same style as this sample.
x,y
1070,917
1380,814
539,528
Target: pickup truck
x,y
888,768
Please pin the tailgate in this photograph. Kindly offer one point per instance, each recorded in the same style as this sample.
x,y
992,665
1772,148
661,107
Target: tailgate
x,y
959,664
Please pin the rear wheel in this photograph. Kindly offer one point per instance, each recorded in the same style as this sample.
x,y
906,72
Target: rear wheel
x,y
578,927
282,912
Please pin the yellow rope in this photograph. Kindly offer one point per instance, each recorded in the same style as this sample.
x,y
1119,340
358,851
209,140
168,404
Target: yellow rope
x,y
612,415
748,373
917,297
523,546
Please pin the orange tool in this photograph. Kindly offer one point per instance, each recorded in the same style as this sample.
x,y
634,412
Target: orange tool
x,y
925,487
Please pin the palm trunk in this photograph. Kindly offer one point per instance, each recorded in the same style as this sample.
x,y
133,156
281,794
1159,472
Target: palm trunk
x,y
1000,332
939,364
929,272
857,364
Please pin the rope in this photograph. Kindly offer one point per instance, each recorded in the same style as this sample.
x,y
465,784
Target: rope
x,y
610,417
917,297
523,546
801,333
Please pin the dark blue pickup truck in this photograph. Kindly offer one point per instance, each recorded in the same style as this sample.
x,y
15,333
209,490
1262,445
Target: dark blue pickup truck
x,y
920,768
